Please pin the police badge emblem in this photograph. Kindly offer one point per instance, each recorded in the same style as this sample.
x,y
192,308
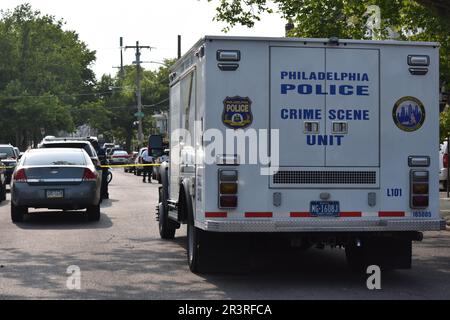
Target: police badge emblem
x,y
409,114
237,112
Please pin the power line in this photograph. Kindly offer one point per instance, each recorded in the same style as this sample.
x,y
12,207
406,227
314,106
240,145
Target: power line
x,y
63,95
156,104
143,106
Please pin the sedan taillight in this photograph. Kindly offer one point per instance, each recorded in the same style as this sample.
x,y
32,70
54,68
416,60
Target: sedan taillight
x,y
89,175
20,176
445,160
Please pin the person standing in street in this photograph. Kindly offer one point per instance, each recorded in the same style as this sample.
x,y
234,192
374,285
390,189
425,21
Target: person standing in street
x,y
147,171
101,154
104,162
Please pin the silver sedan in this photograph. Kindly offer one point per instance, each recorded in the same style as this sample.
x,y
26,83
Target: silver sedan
x,y
63,179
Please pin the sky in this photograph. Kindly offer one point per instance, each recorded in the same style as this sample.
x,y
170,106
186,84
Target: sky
x,y
156,23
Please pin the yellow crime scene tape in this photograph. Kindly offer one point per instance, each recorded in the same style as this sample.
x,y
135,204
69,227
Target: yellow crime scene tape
x,y
112,166
131,165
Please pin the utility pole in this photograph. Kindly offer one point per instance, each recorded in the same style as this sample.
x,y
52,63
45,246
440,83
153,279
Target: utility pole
x,y
121,72
179,47
139,114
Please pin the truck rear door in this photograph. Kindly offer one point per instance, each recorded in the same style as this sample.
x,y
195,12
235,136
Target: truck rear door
x,y
325,104
355,109
290,111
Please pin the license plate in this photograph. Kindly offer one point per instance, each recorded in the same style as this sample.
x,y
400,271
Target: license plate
x,y
55,194
324,208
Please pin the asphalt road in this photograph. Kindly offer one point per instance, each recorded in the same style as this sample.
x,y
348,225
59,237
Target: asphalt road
x,y
122,257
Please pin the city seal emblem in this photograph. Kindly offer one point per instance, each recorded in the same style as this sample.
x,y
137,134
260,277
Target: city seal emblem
x,y
409,114
237,112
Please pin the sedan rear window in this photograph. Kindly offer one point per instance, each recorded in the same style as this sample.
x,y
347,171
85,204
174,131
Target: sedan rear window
x,y
55,159
120,153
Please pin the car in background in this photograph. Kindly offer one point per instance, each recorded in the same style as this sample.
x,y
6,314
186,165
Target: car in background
x,y
139,169
108,145
119,157
110,151
8,158
443,165
46,138
55,178
131,160
17,152
156,175
78,144
81,143
2,184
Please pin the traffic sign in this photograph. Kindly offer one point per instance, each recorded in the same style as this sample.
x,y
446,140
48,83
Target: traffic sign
x,y
139,114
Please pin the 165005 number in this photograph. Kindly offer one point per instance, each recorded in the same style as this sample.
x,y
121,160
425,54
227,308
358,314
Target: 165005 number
x,y
422,214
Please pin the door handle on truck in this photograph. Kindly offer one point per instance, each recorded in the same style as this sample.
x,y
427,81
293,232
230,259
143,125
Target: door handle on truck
x,y
340,127
311,127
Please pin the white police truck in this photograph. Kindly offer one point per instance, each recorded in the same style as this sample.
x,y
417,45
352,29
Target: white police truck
x,y
323,141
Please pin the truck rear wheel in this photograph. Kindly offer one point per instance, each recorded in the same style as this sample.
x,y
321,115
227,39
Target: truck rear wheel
x,y
167,227
196,248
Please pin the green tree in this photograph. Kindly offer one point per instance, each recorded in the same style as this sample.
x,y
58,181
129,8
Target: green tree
x,y
421,20
121,102
94,114
44,72
444,125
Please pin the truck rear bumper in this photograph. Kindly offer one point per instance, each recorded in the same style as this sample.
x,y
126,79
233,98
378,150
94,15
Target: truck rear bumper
x,y
321,225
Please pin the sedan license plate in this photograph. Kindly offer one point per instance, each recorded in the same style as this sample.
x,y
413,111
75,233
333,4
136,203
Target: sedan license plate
x,y
55,194
324,208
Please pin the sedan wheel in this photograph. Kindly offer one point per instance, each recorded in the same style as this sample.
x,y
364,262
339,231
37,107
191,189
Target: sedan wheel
x,y
3,193
17,213
93,213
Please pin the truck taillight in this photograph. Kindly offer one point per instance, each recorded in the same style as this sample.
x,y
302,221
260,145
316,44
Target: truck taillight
x,y
420,201
445,160
228,189
89,175
20,176
420,188
228,202
419,180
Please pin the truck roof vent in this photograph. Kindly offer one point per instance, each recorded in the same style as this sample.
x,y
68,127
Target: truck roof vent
x,y
333,41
